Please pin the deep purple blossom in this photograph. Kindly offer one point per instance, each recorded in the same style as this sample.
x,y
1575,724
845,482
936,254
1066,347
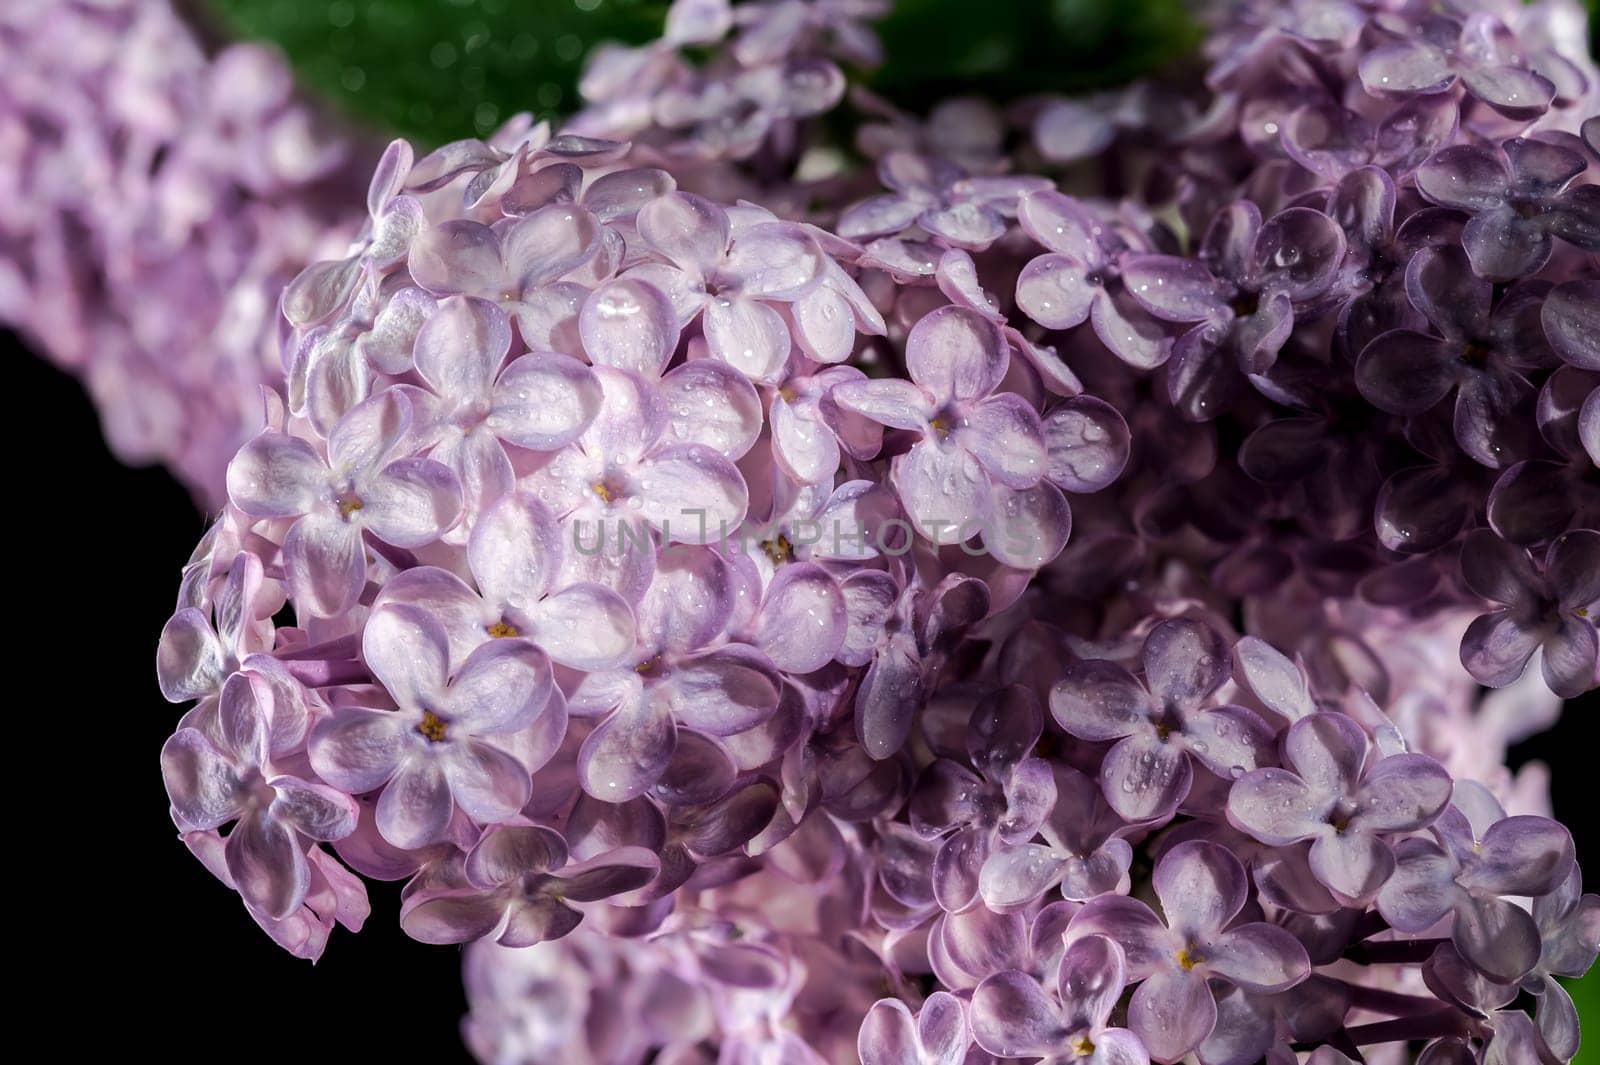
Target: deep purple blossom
x,y
1240,294
1549,607
1521,196
1012,1016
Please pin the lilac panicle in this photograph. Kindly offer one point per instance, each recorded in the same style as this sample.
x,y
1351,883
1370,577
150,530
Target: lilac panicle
x,y
914,613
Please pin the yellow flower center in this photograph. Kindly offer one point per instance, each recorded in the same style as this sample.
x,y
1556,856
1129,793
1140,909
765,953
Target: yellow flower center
x,y
349,503
432,726
1188,959
605,493
1081,1045
778,551
501,630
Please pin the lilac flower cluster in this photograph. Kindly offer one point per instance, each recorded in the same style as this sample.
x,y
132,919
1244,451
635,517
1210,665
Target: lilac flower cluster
x,y
963,621
155,200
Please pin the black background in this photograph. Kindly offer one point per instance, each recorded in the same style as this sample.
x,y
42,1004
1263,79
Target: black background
x,y
162,956
165,956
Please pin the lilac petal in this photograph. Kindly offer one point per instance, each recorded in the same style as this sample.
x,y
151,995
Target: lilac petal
x,y
451,918
1061,224
547,318
775,260
690,231
325,564
887,700
1128,332
1090,980
1028,528
189,657
748,335
1053,291
942,1029
1088,444
1201,887
803,619
267,866
1200,380
408,651
1014,877
1515,1041
1274,806
1422,888
414,809
1496,936
1497,646
723,692
1568,664
515,551
1571,317
1498,571
1298,252
824,325
1327,750
356,749
1099,700
1468,177
1173,289
1521,855
459,347
410,502
965,224
1229,740
1005,434
956,354
878,216
549,243
458,256
1275,680
1572,567
621,193
544,401
629,324
691,493
888,1035
957,865
734,820
1503,246
316,812
802,443
898,404
712,404
1103,872
1575,217
1145,778
1067,130
1558,1020
508,853
499,688
585,626
1259,337
1146,943
612,873
1406,67
1512,91
1405,372
1355,864
943,487
1013,1017
1259,957
1172,1012
1184,662
1403,792
689,602
276,476
628,750
201,783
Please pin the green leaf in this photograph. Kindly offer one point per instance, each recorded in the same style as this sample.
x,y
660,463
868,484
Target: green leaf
x,y
439,70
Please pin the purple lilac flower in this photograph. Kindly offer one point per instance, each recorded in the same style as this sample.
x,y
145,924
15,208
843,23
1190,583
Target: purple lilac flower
x,y
1161,723
443,747
1202,889
1549,608
1336,795
938,1035
1521,196
1480,857
1012,1016
1241,295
